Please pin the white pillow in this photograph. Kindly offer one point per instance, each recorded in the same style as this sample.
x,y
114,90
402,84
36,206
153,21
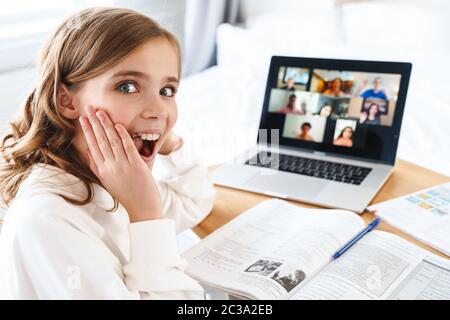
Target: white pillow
x,y
396,25
310,27
236,46
310,32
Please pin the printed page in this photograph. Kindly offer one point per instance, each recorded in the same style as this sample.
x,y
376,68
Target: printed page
x,y
380,266
271,249
430,280
424,215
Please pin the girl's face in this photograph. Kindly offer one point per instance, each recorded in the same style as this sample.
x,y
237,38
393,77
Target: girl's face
x,y
138,93
347,134
373,109
326,111
336,85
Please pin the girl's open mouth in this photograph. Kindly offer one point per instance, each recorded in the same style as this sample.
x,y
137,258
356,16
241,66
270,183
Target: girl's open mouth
x,y
146,144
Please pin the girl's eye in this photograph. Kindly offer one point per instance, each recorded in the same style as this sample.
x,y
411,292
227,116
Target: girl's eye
x,y
167,91
127,87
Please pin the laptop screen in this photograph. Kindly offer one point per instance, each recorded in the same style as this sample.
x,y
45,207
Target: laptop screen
x,y
337,106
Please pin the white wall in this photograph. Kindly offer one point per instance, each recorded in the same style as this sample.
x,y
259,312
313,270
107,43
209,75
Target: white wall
x,y
14,87
22,32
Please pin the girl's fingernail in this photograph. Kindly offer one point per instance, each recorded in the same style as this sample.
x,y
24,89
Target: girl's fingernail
x,y
100,115
118,128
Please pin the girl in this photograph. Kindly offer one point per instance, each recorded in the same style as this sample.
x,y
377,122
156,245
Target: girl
x,y
345,138
335,88
325,111
86,219
371,116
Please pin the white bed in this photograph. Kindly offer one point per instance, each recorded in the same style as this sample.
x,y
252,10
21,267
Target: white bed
x,y
220,107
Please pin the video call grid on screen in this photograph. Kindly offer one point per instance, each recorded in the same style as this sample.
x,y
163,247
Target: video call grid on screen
x,y
342,106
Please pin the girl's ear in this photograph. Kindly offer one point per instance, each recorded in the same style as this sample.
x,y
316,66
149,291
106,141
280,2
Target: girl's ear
x,y
65,103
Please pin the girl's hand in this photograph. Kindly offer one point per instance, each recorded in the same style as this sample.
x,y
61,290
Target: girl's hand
x,y
171,144
363,117
118,165
360,87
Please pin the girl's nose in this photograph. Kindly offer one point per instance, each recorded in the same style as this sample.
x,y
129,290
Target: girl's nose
x,y
154,110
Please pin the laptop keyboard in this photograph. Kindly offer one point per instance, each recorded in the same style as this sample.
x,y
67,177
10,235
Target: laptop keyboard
x,y
312,167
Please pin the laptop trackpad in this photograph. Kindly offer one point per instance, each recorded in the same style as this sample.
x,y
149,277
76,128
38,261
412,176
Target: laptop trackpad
x,y
291,185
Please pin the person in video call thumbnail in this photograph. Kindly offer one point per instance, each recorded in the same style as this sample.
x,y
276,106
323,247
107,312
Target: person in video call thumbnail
x,y
289,85
325,111
371,116
304,134
290,106
345,138
335,88
375,92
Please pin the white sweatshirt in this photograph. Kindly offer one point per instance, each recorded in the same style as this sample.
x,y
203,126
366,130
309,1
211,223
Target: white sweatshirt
x,y
52,249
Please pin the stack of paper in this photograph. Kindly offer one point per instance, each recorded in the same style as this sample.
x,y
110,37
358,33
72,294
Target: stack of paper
x,y
424,215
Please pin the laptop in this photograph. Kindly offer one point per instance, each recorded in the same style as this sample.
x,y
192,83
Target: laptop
x,y
328,133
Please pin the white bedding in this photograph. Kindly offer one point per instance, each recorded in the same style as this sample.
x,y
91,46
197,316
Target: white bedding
x,y
220,107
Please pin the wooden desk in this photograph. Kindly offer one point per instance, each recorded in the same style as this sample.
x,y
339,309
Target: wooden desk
x,y
406,178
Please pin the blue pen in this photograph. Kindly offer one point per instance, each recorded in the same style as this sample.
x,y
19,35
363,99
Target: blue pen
x,y
366,230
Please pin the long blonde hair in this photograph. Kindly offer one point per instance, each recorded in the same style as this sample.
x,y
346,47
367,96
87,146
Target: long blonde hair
x,y
84,46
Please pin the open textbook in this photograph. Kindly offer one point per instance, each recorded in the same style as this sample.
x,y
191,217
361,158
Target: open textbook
x,y
277,250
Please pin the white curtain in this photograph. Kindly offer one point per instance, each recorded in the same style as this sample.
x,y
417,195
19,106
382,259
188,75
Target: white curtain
x,y
201,21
